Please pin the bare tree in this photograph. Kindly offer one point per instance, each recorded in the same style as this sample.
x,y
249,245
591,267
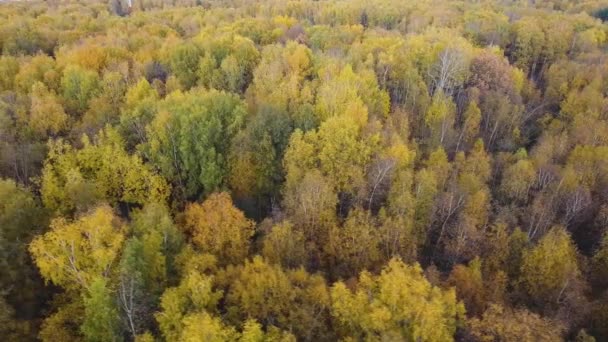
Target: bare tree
x,y
448,72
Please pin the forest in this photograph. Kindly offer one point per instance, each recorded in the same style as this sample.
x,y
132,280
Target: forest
x,y
304,170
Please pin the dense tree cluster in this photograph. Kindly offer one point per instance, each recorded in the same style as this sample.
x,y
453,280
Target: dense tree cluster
x,y
365,170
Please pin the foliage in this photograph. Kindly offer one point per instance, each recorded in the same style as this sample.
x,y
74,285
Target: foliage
x,y
240,170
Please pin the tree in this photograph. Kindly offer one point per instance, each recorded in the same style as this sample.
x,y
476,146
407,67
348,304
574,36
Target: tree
x,y
347,94
288,67
338,149
469,285
450,70
217,227
227,62
549,268
147,265
40,68
470,124
104,109
101,317
380,305
75,254
204,327
138,111
9,67
184,305
600,262
504,324
311,205
518,180
46,116
75,180
21,218
290,300
78,86
256,154
183,60
354,246
285,246
499,98
189,139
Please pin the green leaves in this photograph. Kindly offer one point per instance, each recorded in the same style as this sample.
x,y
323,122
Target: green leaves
x,y
101,317
189,138
78,87
74,180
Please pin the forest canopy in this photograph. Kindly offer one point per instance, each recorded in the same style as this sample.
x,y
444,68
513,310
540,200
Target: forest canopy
x,y
302,170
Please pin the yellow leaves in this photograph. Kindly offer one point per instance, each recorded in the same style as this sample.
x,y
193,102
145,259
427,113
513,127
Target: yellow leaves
x,y
138,93
518,179
350,94
72,254
441,106
262,291
9,67
285,21
217,227
46,113
589,163
39,68
400,293
399,152
354,246
202,327
550,266
504,324
472,121
299,59
342,153
519,79
181,306
469,286
291,300
100,170
284,245
242,176
89,56
299,156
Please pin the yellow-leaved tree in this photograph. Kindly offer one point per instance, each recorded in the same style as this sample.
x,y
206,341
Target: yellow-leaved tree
x,y
397,305
217,227
73,254
550,268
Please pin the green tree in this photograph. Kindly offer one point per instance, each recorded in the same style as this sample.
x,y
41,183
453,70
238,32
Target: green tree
x,y
138,111
78,87
101,317
184,61
189,139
